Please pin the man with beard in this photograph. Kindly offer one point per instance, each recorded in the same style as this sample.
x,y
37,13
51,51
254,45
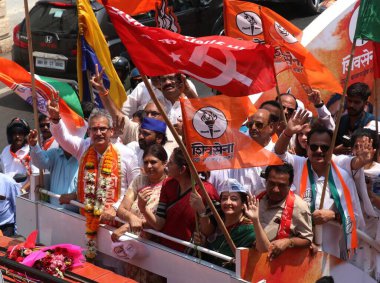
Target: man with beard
x,y
341,201
356,117
152,131
15,157
47,140
261,128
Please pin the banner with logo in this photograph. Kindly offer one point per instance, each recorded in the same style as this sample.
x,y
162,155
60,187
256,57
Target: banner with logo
x,y
330,36
212,133
251,21
218,61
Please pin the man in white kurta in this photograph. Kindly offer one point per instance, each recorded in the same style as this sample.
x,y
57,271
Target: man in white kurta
x,y
319,141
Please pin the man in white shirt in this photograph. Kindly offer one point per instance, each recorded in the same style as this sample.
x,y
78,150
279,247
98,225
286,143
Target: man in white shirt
x,y
341,201
100,132
261,128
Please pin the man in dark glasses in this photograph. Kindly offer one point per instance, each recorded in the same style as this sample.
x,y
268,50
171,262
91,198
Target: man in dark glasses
x,y
309,178
261,128
289,104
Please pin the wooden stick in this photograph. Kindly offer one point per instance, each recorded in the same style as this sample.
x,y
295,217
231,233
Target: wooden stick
x,y
34,95
193,170
196,216
337,123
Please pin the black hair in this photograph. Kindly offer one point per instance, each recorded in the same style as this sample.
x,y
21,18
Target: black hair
x,y
41,117
325,279
157,151
285,168
272,118
319,129
87,107
365,133
17,123
139,114
360,90
179,159
163,137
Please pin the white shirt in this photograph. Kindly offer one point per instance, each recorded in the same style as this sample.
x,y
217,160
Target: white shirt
x,y
331,235
77,146
12,166
250,177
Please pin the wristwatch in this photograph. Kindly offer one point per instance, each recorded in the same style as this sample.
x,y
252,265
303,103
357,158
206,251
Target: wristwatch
x,y
319,105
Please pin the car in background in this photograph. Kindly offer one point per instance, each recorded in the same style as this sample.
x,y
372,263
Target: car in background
x,y
54,26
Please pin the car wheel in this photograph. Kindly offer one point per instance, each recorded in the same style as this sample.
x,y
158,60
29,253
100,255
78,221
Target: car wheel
x,y
312,6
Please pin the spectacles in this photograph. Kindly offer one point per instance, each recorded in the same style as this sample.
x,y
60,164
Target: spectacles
x,y
175,79
290,110
314,147
101,129
43,125
151,113
258,125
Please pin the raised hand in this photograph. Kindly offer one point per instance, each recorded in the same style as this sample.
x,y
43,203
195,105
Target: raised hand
x,y
196,202
118,126
315,97
53,109
364,151
143,198
251,209
97,81
297,122
32,138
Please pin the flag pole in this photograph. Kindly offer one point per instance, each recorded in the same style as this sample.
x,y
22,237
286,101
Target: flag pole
x,y
192,168
337,123
32,72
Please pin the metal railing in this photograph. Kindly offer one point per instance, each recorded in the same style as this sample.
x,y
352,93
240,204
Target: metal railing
x,y
153,232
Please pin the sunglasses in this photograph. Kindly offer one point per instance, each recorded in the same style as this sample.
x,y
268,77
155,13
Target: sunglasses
x,y
290,110
258,125
314,147
43,125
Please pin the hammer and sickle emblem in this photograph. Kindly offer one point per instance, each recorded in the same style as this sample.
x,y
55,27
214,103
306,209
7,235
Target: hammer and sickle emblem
x,y
228,69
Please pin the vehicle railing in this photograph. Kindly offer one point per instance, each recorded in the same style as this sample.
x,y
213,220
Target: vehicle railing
x,y
151,231
361,235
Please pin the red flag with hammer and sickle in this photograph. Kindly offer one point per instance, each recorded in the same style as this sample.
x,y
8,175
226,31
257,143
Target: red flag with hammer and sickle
x,y
234,67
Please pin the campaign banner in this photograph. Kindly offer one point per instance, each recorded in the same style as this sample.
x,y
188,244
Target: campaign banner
x,y
212,134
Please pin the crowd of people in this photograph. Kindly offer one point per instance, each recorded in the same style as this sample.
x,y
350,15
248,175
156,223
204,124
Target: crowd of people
x,y
129,165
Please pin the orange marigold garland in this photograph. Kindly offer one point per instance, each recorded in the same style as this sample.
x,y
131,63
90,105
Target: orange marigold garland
x,y
98,180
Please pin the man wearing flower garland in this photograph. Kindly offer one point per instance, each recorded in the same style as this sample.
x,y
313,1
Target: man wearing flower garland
x,y
105,169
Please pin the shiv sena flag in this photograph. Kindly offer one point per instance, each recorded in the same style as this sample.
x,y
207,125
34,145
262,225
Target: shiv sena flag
x,y
132,7
235,67
264,24
213,138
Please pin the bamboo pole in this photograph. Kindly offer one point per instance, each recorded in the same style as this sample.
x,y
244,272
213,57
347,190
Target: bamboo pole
x,y
32,72
337,123
193,170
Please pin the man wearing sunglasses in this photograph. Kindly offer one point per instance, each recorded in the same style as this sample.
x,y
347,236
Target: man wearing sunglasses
x,y
309,178
261,128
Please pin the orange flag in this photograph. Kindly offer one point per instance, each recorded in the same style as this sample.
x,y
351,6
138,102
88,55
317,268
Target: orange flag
x,y
20,81
253,22
132,7
213,138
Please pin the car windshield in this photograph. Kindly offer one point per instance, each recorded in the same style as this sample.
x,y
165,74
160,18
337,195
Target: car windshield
x,y
59,20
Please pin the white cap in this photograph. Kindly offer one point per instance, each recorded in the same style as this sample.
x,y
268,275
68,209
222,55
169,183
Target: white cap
x,y
232,186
